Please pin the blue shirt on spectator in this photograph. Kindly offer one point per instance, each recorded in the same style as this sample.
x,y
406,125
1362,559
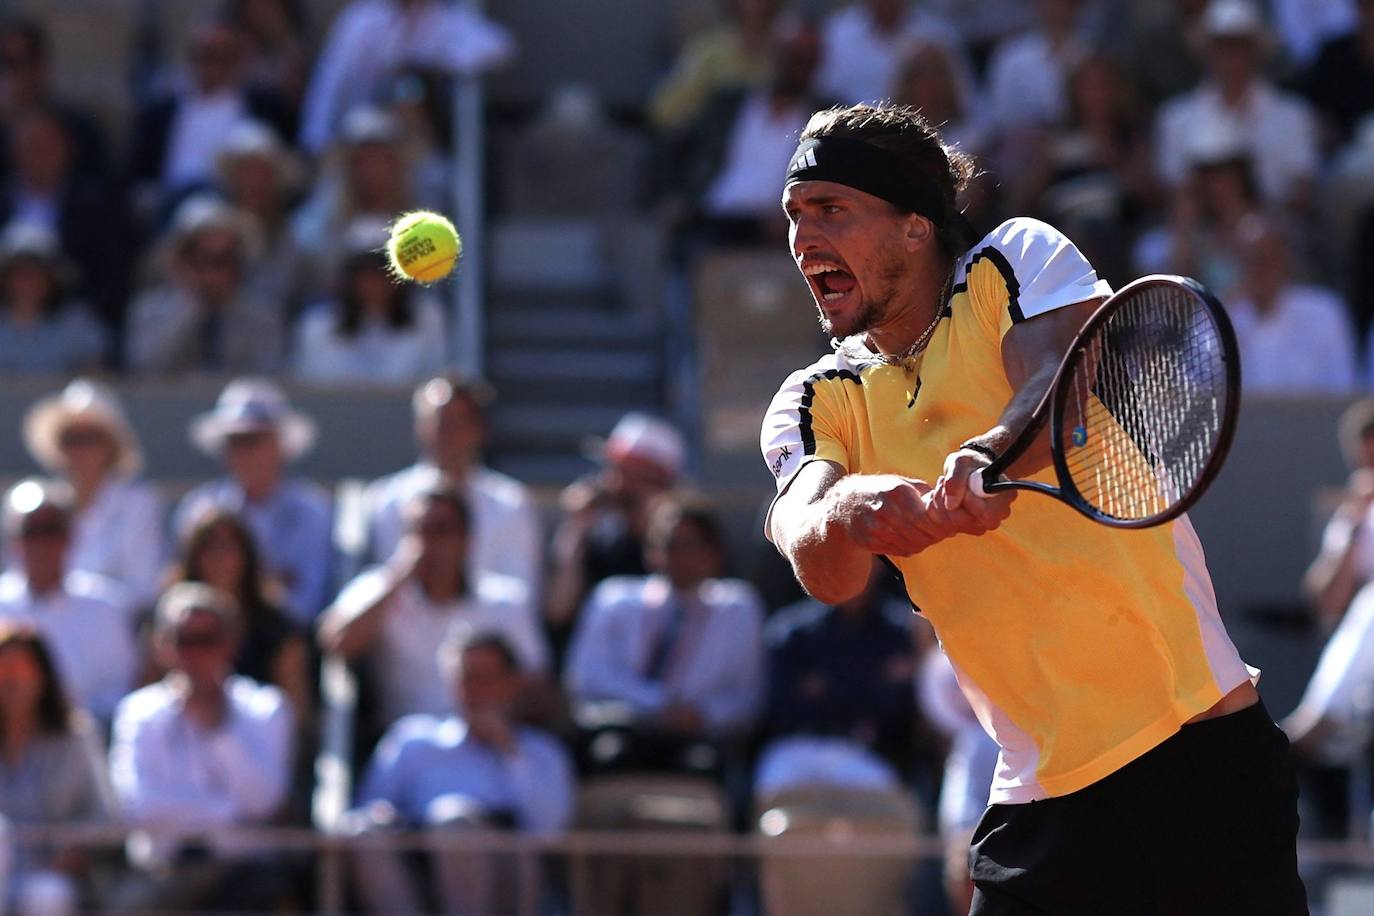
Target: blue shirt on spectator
x,y
293,529
422,759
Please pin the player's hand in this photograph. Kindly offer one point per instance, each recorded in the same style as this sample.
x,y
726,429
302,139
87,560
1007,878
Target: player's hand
x,y
953,504
886,514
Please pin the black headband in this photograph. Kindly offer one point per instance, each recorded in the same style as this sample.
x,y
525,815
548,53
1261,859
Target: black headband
x,y
867,168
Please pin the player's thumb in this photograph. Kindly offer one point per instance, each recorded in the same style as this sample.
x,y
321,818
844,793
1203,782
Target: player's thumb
x,y
955,488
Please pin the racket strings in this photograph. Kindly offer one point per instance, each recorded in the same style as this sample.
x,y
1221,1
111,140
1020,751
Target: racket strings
x,y
1146,405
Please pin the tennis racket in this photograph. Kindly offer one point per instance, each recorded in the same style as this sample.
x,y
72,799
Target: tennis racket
x,y
1142,410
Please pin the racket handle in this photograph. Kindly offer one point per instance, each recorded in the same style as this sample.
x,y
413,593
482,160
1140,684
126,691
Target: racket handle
x,y
975,484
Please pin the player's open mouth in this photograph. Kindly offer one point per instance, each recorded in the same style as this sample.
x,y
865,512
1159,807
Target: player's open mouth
x,y
828,282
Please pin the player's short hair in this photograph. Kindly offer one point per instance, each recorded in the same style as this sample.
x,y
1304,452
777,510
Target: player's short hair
x,y
904,132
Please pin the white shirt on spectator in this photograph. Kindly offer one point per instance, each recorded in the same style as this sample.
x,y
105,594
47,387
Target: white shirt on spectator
x,y
1305,345
198,129
761,144
371,39
375,352
716,665
423,759
1308,24
506,539
179,780
972,757
405,656
1027,81
87,627
120,535
859,62
1279,130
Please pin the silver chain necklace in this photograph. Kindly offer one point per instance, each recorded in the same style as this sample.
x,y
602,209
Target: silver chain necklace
x,y
923,340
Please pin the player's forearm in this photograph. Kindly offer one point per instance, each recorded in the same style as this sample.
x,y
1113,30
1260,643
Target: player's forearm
x,y
830,566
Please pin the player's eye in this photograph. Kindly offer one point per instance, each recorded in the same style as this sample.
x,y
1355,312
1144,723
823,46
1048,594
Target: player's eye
x,y
832,209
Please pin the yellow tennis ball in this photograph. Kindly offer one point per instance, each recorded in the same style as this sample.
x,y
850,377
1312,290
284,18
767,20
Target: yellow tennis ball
x,y
423,246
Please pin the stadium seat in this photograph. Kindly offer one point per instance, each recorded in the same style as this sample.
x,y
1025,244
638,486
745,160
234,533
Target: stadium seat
x,y
803,885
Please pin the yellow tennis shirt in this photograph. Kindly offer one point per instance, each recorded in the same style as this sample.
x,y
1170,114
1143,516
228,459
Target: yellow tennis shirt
x,y
1080,647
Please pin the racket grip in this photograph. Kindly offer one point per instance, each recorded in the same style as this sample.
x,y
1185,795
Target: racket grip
x,y
975,484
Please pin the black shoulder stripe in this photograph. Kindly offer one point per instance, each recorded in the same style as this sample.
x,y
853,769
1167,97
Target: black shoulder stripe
x,y
808,395
999,260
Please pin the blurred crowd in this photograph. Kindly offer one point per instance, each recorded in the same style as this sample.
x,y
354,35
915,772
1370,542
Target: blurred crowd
x,y
609,662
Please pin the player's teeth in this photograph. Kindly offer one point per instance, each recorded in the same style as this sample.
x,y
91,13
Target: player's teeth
x,y
829,296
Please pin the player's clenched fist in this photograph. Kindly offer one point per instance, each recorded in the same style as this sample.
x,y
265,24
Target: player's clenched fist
x,y
953,505
884,513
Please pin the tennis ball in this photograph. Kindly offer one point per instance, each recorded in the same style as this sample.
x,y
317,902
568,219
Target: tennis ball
x,y
423,246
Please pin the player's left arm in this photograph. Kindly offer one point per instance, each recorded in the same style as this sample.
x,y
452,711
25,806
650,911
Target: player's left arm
x,y
1031,353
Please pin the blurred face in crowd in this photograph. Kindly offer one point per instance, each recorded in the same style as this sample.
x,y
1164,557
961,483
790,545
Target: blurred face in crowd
x,y
202,647
796,52
634,482
1233,61
1058,15
887,13
216,55
219,560
1224,189
486,682
254,184
443,539
450,427
255,460
755,15
213,265
23,67
371,285
375,175
679,549
926,81
1265,261
41,151
88,450
21,679
28,287
1095,90
41,537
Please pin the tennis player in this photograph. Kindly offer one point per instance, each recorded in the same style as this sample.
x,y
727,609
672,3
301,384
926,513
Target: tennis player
x,y
1139,772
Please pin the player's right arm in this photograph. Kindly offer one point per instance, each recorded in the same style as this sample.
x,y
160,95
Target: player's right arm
x,y
829,524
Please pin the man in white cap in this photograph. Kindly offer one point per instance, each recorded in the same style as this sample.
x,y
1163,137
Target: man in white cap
x,y
256,432
605,515
1280,129
83,616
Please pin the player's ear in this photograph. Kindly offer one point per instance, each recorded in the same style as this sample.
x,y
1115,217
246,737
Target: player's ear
x,y
920,231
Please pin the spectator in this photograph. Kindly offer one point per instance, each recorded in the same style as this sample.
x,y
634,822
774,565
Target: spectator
x,y
26,84
1164,56
176,137
394,614
275,56
601,533
82,434
372,39
969,766
205,317
375,330
43,329
368,174
48,189
195,753
1206,212
731,57
1346,561
260,176
52,771
1092,174
1306,26
256,433
84,618
1028,73
743,141
450,430
1278,130
1294,339
862,45
930,79
1340,82
675,656
840,710
471,766
219,551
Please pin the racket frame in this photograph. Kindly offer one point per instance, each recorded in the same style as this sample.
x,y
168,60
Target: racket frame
x,y
1052,405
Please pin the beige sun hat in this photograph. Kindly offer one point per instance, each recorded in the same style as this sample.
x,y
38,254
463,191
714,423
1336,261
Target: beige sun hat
x,y
250,405
249,139
84,401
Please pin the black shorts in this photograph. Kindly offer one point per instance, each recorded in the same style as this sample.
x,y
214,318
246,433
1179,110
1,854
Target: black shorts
x,y
1205,823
